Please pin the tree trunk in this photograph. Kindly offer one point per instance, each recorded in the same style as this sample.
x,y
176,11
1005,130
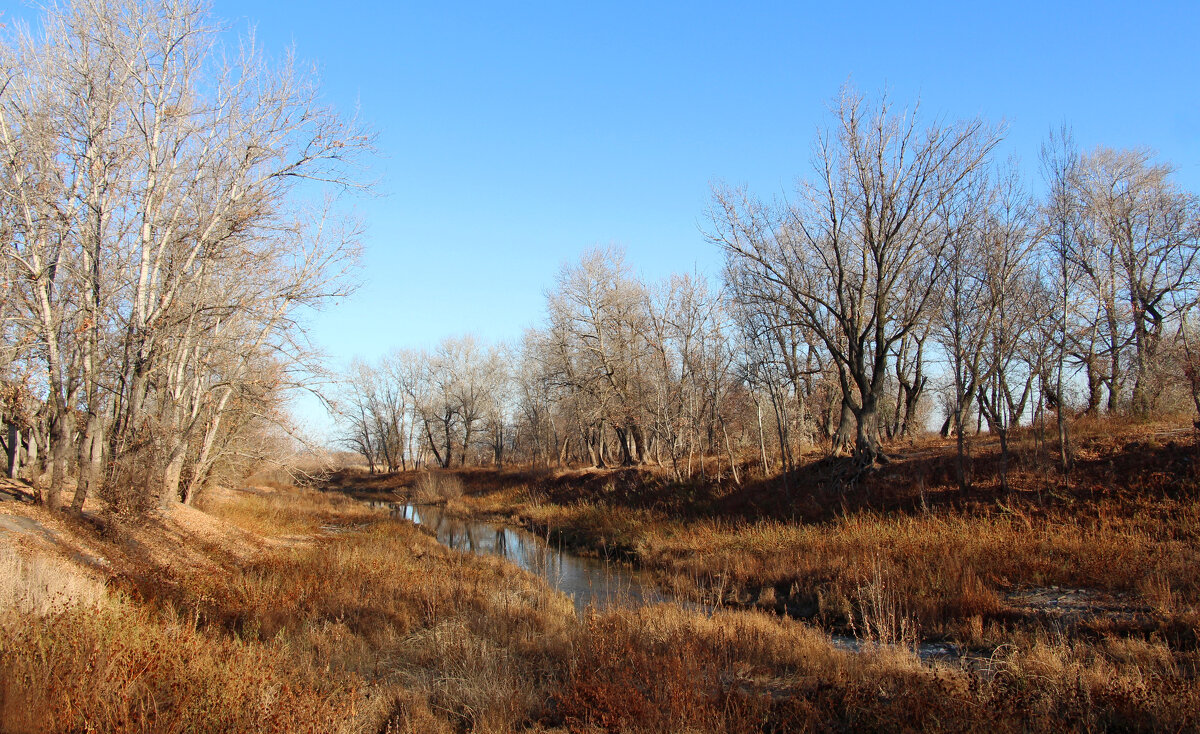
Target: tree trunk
x,y
32,442
762,441
1003,434
639,444
732,462
846,426
91,451
13,446
169,492
61,430
866,439
623,442
432,446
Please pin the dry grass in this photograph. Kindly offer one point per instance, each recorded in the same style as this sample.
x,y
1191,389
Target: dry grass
x,y
366,624
37,584
905,553
437,487
273,512
119,668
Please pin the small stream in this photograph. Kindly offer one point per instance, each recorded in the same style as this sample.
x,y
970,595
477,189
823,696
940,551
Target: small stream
x,y
588,581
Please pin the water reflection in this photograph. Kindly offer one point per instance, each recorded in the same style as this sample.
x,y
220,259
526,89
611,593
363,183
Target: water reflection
x,y
588,581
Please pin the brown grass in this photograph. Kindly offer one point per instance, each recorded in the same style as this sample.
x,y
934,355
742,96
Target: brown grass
x,y
436,486
905,545
340,619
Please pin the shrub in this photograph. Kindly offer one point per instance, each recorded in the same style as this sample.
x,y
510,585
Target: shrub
x,y
437,487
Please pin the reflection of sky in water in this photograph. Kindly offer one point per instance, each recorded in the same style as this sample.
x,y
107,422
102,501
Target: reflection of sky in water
x,y
588,581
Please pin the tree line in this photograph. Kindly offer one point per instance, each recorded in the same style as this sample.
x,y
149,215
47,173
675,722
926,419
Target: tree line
x,y
168,211
910,276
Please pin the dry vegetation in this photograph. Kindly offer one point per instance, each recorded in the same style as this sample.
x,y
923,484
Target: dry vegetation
x,y
306,611
1099,576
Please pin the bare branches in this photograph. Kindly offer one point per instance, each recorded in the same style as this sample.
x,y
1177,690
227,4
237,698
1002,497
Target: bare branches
x,y
155,178
856,257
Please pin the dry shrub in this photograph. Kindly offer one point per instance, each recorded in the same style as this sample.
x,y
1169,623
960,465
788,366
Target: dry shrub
x,y
880,614
432,487
126,492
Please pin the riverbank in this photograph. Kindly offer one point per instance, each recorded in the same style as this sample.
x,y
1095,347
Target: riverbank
x,y
280,609
1114,551
1104,565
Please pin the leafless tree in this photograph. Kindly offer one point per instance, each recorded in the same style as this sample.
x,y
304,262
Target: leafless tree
x,y
857,257
152,178
597,317
1140,238
1063,223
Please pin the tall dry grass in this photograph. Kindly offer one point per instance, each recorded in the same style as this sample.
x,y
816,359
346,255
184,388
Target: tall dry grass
x,y
437,487
369,625
37,585
118,668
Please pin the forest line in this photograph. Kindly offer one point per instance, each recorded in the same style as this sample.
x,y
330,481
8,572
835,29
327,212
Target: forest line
x,y
907,247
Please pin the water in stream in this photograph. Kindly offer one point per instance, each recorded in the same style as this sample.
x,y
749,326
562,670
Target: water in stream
x,y
588,581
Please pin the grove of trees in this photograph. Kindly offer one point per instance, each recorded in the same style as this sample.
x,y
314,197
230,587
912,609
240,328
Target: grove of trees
x,y
912,281
169,210
167,213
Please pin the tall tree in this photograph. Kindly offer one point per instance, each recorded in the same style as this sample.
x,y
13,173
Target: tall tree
x,y
857,257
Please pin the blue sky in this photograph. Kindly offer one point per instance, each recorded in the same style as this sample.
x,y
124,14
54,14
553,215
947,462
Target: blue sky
x,y
515,135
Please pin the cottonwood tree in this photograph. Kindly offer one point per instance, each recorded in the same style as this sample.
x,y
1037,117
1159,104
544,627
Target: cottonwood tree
x,y
690,371
597,325
1140,243
857,256
153,179
538,402
964,312
912,378
781,366
497,403
1012,356
1062,214
981,315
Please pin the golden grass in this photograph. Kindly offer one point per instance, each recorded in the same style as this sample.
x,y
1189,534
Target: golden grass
x,y
119,668
36,584
369,625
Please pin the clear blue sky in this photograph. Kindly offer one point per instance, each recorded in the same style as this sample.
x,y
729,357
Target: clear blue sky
x,y
514,135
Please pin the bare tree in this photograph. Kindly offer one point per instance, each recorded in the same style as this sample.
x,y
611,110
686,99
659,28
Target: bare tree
x,y
1012,356
598,322
1143,234
152,181
858,257
1062,212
